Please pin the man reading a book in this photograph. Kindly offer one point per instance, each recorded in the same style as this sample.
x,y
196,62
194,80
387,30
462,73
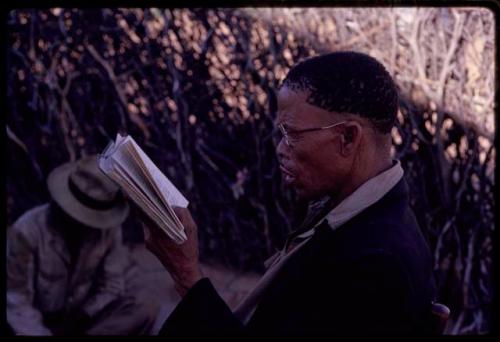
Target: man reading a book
x,y
358,264
66,264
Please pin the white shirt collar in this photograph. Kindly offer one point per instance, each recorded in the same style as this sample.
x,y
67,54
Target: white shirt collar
x,y
367,194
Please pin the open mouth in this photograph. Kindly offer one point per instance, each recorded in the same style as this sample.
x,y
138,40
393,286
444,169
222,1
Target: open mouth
x,y
287,175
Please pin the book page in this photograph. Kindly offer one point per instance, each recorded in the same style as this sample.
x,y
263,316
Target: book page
x,y
172,195
135,152
119,139
145,204
130,168
121,170
126,163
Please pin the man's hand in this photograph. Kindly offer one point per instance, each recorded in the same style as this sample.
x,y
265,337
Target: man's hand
x,y
181,261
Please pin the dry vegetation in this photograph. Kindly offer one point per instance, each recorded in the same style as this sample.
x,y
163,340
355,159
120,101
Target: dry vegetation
x,y
193,88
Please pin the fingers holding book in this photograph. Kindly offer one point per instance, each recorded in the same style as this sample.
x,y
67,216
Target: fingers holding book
x,y
187,221
180,260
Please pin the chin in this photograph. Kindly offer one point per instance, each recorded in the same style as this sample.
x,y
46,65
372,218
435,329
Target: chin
x,y
308,194
305,195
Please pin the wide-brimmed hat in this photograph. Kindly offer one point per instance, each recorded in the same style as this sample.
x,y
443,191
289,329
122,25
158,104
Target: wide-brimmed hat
x,y
86,194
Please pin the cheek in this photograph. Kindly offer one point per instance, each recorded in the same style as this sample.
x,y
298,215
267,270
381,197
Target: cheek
x,y
313,166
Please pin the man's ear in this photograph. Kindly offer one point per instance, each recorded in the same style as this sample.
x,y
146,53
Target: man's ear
x,y
350,138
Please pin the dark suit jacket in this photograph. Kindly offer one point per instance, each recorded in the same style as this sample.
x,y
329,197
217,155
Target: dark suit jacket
x,y
372,275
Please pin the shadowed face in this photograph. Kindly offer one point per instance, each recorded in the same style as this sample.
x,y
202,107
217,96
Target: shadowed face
x,y
72,231
311,162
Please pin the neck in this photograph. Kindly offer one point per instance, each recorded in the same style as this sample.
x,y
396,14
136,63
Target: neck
x,y
359,174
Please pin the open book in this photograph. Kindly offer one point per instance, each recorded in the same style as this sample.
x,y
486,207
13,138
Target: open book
x,y
127,164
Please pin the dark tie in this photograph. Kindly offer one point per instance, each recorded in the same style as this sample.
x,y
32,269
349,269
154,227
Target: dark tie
x,y
317,211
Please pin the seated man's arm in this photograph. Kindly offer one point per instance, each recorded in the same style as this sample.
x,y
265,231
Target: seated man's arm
x,y
22,316
110,279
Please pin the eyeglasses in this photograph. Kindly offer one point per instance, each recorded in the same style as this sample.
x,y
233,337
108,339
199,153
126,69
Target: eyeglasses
x,y
293,136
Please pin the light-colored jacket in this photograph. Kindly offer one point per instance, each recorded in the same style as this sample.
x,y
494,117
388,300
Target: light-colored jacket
x,y
41,280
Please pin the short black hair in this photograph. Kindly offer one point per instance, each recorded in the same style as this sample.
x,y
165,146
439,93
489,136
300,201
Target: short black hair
x,y
350,82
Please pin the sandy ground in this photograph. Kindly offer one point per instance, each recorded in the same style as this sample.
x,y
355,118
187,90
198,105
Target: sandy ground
x,y
157,284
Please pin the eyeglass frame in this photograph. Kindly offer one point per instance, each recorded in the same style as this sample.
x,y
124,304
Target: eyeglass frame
x,y
285,134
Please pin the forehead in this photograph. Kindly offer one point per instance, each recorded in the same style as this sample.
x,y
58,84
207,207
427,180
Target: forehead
x,y
294,110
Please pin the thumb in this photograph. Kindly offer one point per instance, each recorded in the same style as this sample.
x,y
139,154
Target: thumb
x,y
181,213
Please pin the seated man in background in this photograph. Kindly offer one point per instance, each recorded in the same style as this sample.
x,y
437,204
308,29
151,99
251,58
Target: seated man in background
x,y
66,264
